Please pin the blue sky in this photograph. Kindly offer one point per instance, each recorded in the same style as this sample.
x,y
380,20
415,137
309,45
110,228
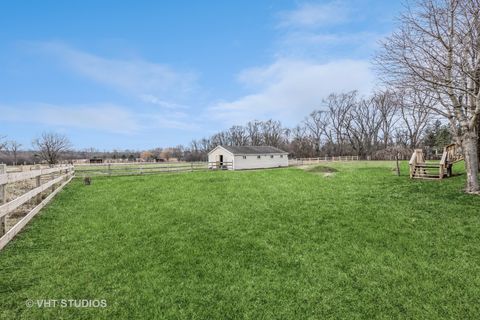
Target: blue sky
x,y
145,74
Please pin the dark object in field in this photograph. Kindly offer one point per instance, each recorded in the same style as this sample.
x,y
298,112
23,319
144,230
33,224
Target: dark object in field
x,y
96,160
87,181
321,169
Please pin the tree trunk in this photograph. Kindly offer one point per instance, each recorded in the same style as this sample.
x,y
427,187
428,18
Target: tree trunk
x,y
397,156
470,154
478,142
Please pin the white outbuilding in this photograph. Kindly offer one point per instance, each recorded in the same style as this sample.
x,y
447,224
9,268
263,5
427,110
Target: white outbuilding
x,y
247,157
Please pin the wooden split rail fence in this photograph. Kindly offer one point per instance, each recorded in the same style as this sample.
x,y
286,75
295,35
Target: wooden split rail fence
x,y
304,161
220,165
60,176
122,169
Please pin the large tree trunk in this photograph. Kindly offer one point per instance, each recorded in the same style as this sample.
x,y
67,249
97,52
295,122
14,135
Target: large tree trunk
x,y
470,154
478,142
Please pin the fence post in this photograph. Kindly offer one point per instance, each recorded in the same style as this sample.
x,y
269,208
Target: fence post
x,y
191,166
38,182
109,169
3,199
53,177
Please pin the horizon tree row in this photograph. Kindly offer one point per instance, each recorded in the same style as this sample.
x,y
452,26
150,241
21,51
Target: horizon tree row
x,y
347,124
387,123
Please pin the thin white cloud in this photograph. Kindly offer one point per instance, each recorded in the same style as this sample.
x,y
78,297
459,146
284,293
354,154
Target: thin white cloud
x,y
148,98
329,45
161,121
311,62
311,15
149,82
288,90
101,117
325,31
332,39
107,118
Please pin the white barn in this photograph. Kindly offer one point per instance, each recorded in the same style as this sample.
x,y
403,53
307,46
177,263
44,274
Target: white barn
x,y
247,157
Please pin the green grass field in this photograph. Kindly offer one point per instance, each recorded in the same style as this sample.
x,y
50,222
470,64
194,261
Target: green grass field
x,y
356,243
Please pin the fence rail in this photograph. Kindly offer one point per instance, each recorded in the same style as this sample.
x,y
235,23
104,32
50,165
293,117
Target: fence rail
x,y
65,174
217,165
121,169
303,161
12,177
131,163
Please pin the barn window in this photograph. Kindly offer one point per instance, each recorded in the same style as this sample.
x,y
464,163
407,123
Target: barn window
x,y
271,156
281,156
258,157
244,157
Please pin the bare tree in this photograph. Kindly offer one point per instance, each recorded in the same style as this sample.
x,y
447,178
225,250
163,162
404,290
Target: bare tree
x,y
178,151
254,132
316,123
362,124
272,133
339,106
50,146
166,154
387,104
301,144
415,114
436,50
13,147
92,152
221,139
206,145
239,136
3,143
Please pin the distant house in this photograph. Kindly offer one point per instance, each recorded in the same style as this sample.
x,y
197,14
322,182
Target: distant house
x,y
247,157
96,160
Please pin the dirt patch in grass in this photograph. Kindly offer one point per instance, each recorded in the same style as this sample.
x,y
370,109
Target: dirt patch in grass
x,y
323,170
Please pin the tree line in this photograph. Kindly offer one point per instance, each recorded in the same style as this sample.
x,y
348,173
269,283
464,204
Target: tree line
x,y
381,126
347,124
53,148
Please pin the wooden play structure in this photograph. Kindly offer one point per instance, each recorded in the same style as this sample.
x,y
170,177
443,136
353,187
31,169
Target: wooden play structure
x,y
419,169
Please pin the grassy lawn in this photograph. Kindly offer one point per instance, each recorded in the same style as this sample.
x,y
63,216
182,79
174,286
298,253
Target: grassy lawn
x,y
356,243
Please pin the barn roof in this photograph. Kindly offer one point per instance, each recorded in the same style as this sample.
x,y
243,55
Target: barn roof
x,y
254,150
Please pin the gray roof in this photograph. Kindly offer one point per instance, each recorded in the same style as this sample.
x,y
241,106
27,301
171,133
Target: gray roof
x,y
253,150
